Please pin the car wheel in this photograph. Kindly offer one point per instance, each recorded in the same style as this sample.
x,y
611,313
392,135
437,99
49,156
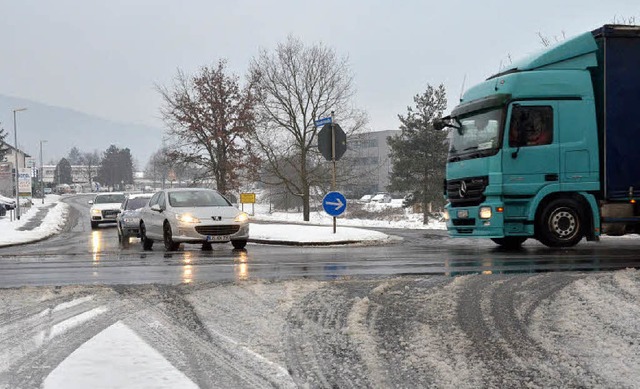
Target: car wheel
x,y
510,242
169,244
124,238
146,242
238,244
94,225
561,223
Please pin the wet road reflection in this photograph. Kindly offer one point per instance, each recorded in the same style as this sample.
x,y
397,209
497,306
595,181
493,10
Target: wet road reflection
x,y
84,255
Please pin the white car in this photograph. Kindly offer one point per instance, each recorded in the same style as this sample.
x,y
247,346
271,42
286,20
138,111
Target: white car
x,y
192,215
381,198
105,208
8,202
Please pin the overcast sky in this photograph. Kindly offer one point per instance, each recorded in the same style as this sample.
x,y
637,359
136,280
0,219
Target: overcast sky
x,y
104,57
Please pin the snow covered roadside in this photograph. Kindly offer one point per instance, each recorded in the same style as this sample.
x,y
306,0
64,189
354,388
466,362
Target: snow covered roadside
x,y
410,220
52,223
297,234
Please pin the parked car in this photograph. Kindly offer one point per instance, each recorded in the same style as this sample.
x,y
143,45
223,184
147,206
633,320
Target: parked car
x,y
366,198
105,208
128,220
381,198
192,215
7,202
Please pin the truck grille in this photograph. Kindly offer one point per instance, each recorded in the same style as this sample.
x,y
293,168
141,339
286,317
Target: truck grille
x,y
467,191
218,230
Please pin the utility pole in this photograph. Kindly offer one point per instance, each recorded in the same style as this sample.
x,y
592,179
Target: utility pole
x,y
41,172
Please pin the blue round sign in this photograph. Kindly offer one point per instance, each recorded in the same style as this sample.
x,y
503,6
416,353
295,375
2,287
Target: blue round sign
x,y
334,203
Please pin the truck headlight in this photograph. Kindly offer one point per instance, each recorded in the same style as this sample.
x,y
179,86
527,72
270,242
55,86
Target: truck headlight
x,y
445,215
485,212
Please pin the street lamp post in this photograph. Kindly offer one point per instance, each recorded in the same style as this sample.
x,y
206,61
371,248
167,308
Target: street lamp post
x,y
15,139
42,171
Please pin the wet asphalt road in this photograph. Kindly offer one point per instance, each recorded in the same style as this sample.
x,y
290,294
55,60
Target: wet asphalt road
x,y
82,256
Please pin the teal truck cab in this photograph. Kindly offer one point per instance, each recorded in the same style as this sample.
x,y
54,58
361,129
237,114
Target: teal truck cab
x,y
550,148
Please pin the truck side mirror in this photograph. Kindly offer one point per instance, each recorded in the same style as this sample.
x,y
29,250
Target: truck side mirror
x,y
439,124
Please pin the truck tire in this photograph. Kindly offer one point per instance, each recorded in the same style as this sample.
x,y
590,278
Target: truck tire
x,y
510,242
561,223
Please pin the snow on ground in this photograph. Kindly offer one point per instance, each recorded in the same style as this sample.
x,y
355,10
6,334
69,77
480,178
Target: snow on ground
x,y
311,234
408,220
53,223
116,358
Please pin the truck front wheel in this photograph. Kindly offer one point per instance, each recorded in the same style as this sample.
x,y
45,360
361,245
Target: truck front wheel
x,y
561,223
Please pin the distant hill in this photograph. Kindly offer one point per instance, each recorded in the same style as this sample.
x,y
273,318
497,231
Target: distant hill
x,y
64,128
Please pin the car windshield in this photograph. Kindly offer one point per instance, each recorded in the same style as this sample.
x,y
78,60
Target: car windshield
x,y
197,198
137,202
477,132
109,198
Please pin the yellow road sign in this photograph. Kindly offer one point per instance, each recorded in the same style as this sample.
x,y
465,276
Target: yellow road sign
x,y
247,198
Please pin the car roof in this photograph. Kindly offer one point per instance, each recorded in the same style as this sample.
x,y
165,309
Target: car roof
x,y
109,193
139,195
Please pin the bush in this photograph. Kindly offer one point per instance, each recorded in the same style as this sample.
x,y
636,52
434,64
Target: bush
x,y
365,211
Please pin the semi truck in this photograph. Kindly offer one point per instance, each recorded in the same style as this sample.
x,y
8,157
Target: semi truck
x,y
549,148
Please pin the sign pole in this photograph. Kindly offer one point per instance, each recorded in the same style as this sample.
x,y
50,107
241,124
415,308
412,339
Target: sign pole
x,y
333,160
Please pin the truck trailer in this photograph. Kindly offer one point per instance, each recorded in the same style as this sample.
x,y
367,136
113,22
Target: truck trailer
x,y
549,148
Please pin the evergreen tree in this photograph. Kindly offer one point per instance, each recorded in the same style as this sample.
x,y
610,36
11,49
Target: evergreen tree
x,y
62,174
116,168
4,147
74,157
419,153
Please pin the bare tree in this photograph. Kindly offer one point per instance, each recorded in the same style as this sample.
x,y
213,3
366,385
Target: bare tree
x,y
210,119
296,84
91,161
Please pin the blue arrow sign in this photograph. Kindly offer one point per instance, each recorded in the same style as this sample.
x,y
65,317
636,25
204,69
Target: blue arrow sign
x,y
322,122
334,203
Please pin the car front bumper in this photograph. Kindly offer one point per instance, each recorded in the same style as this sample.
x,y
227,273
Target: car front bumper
x,y
199,233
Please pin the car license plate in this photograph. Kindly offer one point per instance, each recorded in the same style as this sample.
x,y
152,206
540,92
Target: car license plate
x,y
463,213
218,238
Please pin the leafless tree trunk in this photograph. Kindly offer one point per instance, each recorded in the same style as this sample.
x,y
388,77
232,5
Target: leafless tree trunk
x,y
295,85
210,120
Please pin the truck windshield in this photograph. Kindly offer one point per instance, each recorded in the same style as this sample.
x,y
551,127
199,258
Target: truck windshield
x,y
478,135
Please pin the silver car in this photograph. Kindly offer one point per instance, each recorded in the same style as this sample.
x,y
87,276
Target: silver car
x,y
192,215
129,217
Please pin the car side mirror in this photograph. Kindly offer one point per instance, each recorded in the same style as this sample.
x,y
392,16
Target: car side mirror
x,y
90,202
156,207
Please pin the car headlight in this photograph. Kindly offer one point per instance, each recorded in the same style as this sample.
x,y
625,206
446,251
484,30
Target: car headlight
x,y
96,212
485,212
241,218
187,218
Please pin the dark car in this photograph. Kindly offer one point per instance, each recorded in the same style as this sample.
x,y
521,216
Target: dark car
x,y
128,220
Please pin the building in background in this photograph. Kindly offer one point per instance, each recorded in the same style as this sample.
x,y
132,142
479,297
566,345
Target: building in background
x,y
368,158
7,174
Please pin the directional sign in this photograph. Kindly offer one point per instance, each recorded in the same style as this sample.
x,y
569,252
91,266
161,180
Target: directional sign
x,y
325,138
334,203
322,122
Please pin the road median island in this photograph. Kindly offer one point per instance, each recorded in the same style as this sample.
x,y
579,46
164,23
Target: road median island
x,y
308,235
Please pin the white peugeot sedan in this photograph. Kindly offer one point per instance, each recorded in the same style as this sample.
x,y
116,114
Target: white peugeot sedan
x,y
105,208
192,215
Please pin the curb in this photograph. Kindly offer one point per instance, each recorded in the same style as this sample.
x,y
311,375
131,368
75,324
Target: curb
x,y
292,243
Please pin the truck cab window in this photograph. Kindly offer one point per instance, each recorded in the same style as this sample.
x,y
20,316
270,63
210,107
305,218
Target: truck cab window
x,y
531,126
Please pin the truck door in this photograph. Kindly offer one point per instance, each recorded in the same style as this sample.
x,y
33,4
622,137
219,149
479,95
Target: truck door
x,y
531,154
